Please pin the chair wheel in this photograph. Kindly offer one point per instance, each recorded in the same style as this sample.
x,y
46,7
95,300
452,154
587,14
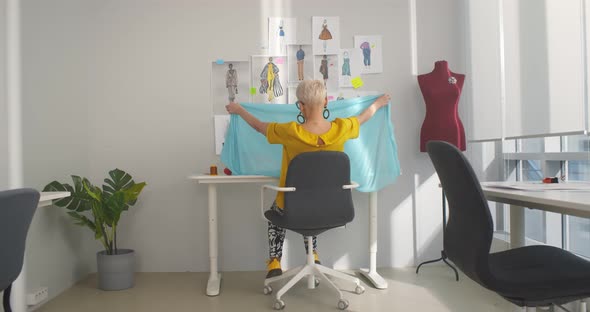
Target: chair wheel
x,y
267,290
317,282
278,305
359,290
342,304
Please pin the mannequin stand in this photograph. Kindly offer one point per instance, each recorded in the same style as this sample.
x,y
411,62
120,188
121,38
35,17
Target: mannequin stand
x,y
443,254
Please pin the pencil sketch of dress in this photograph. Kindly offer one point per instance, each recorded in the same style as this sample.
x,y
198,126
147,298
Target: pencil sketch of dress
x,y
366,47
269,81
346,64
325,35
231,82
324,69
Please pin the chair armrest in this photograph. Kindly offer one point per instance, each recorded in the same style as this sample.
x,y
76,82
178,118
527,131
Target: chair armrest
x,y
275,188
351,186
279,189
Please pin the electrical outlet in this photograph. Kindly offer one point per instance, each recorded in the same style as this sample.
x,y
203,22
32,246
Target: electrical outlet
x,y
37,296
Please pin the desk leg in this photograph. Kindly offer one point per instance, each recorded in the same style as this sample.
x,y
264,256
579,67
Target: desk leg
x,y
516,226
214,276
371,274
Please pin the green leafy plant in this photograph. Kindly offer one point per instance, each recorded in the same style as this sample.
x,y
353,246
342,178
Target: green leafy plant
x,y
106,205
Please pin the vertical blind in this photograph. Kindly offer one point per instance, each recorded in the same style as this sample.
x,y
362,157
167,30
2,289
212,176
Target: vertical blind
x,y
528,68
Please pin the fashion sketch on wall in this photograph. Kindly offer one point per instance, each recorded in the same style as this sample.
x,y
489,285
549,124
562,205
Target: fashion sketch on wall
x,y
229,83
370,47
327,70
269,75
326,35
349,66
282,31
300,61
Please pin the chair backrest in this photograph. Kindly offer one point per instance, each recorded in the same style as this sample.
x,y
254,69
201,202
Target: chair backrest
x,y
468,235
17,208
319,201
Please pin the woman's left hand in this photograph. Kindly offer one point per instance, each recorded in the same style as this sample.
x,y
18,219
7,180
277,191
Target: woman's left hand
x,y
233,108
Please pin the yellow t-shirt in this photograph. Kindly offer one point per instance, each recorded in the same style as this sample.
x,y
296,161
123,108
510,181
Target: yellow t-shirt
x,y
296,140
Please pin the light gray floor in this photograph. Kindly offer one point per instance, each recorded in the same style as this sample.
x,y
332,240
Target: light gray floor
x,y
433,290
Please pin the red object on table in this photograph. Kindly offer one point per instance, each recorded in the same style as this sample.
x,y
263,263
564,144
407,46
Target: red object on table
x,y
227,171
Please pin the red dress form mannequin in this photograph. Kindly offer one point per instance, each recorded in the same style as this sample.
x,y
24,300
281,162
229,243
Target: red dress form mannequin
x,y
441,89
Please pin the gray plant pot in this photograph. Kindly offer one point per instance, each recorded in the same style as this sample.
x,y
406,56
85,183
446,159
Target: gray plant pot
x,y
116,272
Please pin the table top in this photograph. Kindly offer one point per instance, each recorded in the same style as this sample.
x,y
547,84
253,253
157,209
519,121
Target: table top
x,y
217,179
570,202
46,198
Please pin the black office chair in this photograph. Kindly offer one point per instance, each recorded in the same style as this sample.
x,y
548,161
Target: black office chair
x,y
17,208
317,198
529,276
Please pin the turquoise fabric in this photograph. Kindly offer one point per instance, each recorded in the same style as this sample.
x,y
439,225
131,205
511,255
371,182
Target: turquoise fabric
x,y
373,155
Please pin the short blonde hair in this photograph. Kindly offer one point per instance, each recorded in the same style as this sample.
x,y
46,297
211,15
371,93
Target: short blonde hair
x,y
311,92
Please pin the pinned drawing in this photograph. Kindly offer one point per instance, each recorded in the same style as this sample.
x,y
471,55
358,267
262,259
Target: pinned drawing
x,y
349,58
282,31
269,76
300,61
231,82
326,35
324,68
372,53
345,64
328,71
269,81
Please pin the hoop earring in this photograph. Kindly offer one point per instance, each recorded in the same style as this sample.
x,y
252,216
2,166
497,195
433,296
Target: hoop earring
x,y
326,113
300,118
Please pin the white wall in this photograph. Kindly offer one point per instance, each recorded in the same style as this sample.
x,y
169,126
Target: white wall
x,y
55,132
3,101
150,114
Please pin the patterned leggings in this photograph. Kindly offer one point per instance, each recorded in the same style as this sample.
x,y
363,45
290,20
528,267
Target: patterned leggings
x,y
276,237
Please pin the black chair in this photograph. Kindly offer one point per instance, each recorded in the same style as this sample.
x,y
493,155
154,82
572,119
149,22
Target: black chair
x,y
17,208
529,276
317,198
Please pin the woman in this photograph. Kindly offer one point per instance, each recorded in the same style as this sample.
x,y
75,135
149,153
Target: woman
x,y
313,133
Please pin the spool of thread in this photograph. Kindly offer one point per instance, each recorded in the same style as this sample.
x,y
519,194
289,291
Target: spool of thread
x,y
213,170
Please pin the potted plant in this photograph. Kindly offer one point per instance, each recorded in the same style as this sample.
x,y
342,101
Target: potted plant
x,y
116,267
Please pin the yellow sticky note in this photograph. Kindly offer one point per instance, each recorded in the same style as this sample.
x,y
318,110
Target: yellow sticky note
x,y
373,46
252,91
357,82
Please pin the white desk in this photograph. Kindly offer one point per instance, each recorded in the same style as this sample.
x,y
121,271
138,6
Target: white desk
x,y
574,203
47,198
214,276
18,295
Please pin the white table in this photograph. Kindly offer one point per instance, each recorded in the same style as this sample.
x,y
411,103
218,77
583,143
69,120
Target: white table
x,y
47,198
574,203
18,295
213,283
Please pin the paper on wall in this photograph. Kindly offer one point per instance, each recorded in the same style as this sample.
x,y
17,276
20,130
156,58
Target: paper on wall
x,y
221,122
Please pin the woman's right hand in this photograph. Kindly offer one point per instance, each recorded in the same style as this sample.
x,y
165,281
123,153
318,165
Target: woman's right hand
x,y
233,108
382,100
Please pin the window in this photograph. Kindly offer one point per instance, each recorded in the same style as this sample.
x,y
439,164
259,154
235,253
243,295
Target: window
x,y
532,159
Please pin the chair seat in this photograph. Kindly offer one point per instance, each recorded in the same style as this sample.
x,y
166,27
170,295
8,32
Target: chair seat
x,y
538,275
279,220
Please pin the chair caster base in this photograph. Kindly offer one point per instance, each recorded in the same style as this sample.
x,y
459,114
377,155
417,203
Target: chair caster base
x,y
279,305
343,304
